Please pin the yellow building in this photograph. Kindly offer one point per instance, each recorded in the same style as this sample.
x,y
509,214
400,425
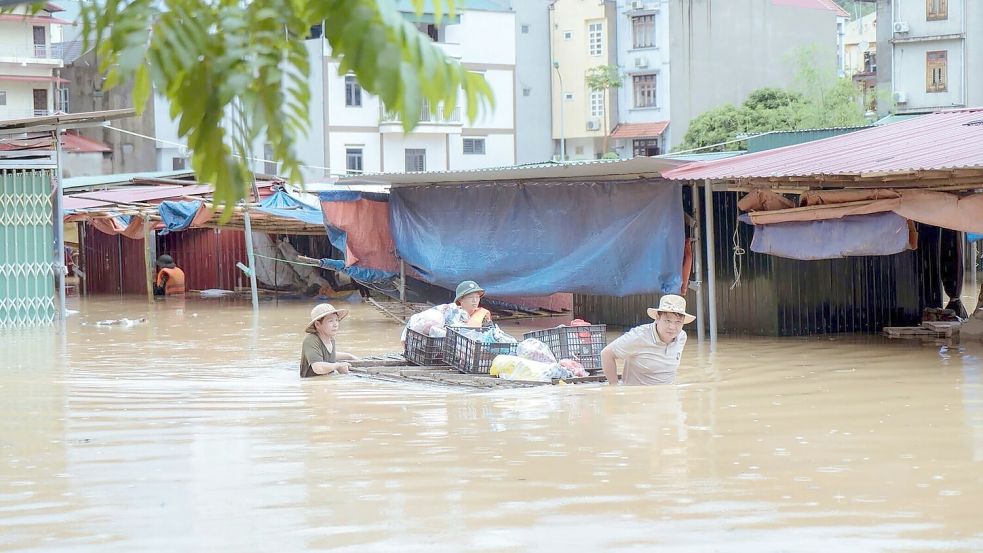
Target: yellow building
x,y
582,36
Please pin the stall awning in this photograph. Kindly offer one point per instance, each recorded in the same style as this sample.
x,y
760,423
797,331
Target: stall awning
x,y
33,79
640,130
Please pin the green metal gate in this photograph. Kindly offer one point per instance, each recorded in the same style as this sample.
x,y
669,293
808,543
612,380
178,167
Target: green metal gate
x,y
27,282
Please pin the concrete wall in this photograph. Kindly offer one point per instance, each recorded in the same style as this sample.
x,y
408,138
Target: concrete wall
x,y
721,50
130,153
87,164
19,58
655,61
532,81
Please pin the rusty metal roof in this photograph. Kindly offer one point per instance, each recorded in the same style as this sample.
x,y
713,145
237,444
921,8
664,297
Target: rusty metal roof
x,y
947,140
640,130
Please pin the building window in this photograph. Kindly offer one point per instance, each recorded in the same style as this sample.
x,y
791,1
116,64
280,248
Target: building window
x,y
578,150
644,87
353,160
643,31
526,91
568,96
567,35
62,100
416,160
524,29
353,92
596,103
936,10
178,163
474,146
646,147
269,166
595,39
3,97
936,73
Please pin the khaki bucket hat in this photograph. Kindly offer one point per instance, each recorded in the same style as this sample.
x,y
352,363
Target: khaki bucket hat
x,y
671,303
321,311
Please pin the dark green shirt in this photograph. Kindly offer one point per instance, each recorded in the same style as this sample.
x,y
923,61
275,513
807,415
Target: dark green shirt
x,y
314,351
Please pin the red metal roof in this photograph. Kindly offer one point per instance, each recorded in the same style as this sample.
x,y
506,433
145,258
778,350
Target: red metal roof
x,y
127,194
72,142
75,202
33,78
36,20
829,5
639,130
938,141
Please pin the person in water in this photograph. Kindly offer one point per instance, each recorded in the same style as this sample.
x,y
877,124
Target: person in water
x,y
319,354
650,352
170,278
468,297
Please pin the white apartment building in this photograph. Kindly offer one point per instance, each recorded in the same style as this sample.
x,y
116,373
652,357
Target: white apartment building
x,y
352,132
29,84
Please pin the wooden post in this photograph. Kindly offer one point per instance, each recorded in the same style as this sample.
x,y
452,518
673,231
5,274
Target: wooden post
x,y
402,280
58,218
698,265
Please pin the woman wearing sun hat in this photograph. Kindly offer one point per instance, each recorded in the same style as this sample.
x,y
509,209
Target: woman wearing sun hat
x,y
651,352
319,354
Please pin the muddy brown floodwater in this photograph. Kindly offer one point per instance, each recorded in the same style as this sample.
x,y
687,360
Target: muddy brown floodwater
x,y
193,432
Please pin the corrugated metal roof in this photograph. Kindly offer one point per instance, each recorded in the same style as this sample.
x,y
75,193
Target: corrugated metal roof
x,y
939,141
64,120
650,166
121,178
129,195
778,139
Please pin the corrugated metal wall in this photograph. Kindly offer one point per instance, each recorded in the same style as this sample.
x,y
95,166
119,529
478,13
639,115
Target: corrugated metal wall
x,y
208,257
785,297
115,264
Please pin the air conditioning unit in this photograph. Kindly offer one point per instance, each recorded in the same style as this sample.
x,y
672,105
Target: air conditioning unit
x,y
637,5
593,125
641,62
900,97
900,27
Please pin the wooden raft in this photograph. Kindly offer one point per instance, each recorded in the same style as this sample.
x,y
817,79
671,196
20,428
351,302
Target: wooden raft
x,y
395,368
928,329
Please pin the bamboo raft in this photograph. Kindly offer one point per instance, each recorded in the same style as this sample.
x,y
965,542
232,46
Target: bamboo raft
x,y
395,368
928,329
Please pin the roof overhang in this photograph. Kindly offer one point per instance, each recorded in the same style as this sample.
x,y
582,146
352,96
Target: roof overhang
x,y
64,121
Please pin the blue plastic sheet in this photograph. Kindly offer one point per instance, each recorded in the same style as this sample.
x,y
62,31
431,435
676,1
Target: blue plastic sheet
x,y
973,237
877,234
361,274
606,238
283,204
177,215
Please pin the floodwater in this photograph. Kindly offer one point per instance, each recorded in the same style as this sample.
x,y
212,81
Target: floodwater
x,y
193,432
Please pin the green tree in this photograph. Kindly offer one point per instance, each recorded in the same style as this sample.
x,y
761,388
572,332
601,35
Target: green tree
x,y
603,78
247,59
820,99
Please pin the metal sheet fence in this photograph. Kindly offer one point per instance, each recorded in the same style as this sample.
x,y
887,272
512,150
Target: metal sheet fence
x,y
27,283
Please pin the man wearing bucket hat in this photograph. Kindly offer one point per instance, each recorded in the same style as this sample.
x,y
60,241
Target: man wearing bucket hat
x,y
468,296
170,278
651,352
319,354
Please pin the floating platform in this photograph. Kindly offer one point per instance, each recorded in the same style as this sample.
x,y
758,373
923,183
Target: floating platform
x,y
395,368
928,329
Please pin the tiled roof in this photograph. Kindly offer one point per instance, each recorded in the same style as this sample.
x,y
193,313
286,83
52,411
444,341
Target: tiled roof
x,y
639,130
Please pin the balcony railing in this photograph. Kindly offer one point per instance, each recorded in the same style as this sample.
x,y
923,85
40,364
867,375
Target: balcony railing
x,y
36,51
426,117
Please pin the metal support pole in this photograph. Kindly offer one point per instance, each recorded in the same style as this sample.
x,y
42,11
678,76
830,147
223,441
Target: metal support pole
x,y
251,259
148,257
698,263
59,229
711,264
83,260
402,280
974,255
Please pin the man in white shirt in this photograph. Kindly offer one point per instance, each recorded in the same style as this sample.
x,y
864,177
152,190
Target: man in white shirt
x,y
650,352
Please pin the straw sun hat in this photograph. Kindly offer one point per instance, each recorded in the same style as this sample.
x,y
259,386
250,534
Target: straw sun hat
x,y
321,311
671,303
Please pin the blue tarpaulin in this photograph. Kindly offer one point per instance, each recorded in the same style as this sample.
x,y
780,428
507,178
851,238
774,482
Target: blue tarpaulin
x,y
606,238
361,274
177,215
339,237
283,204
973,237
877,234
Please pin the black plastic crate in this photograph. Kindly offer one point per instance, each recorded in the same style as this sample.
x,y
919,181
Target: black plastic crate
x,y
581,343
471,356
422,350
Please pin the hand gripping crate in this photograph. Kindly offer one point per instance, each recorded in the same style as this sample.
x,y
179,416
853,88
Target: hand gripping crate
x,y
472,356
581,343
422,350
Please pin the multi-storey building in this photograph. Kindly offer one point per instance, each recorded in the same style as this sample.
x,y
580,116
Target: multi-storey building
x,y
678,58
929,54
29,84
